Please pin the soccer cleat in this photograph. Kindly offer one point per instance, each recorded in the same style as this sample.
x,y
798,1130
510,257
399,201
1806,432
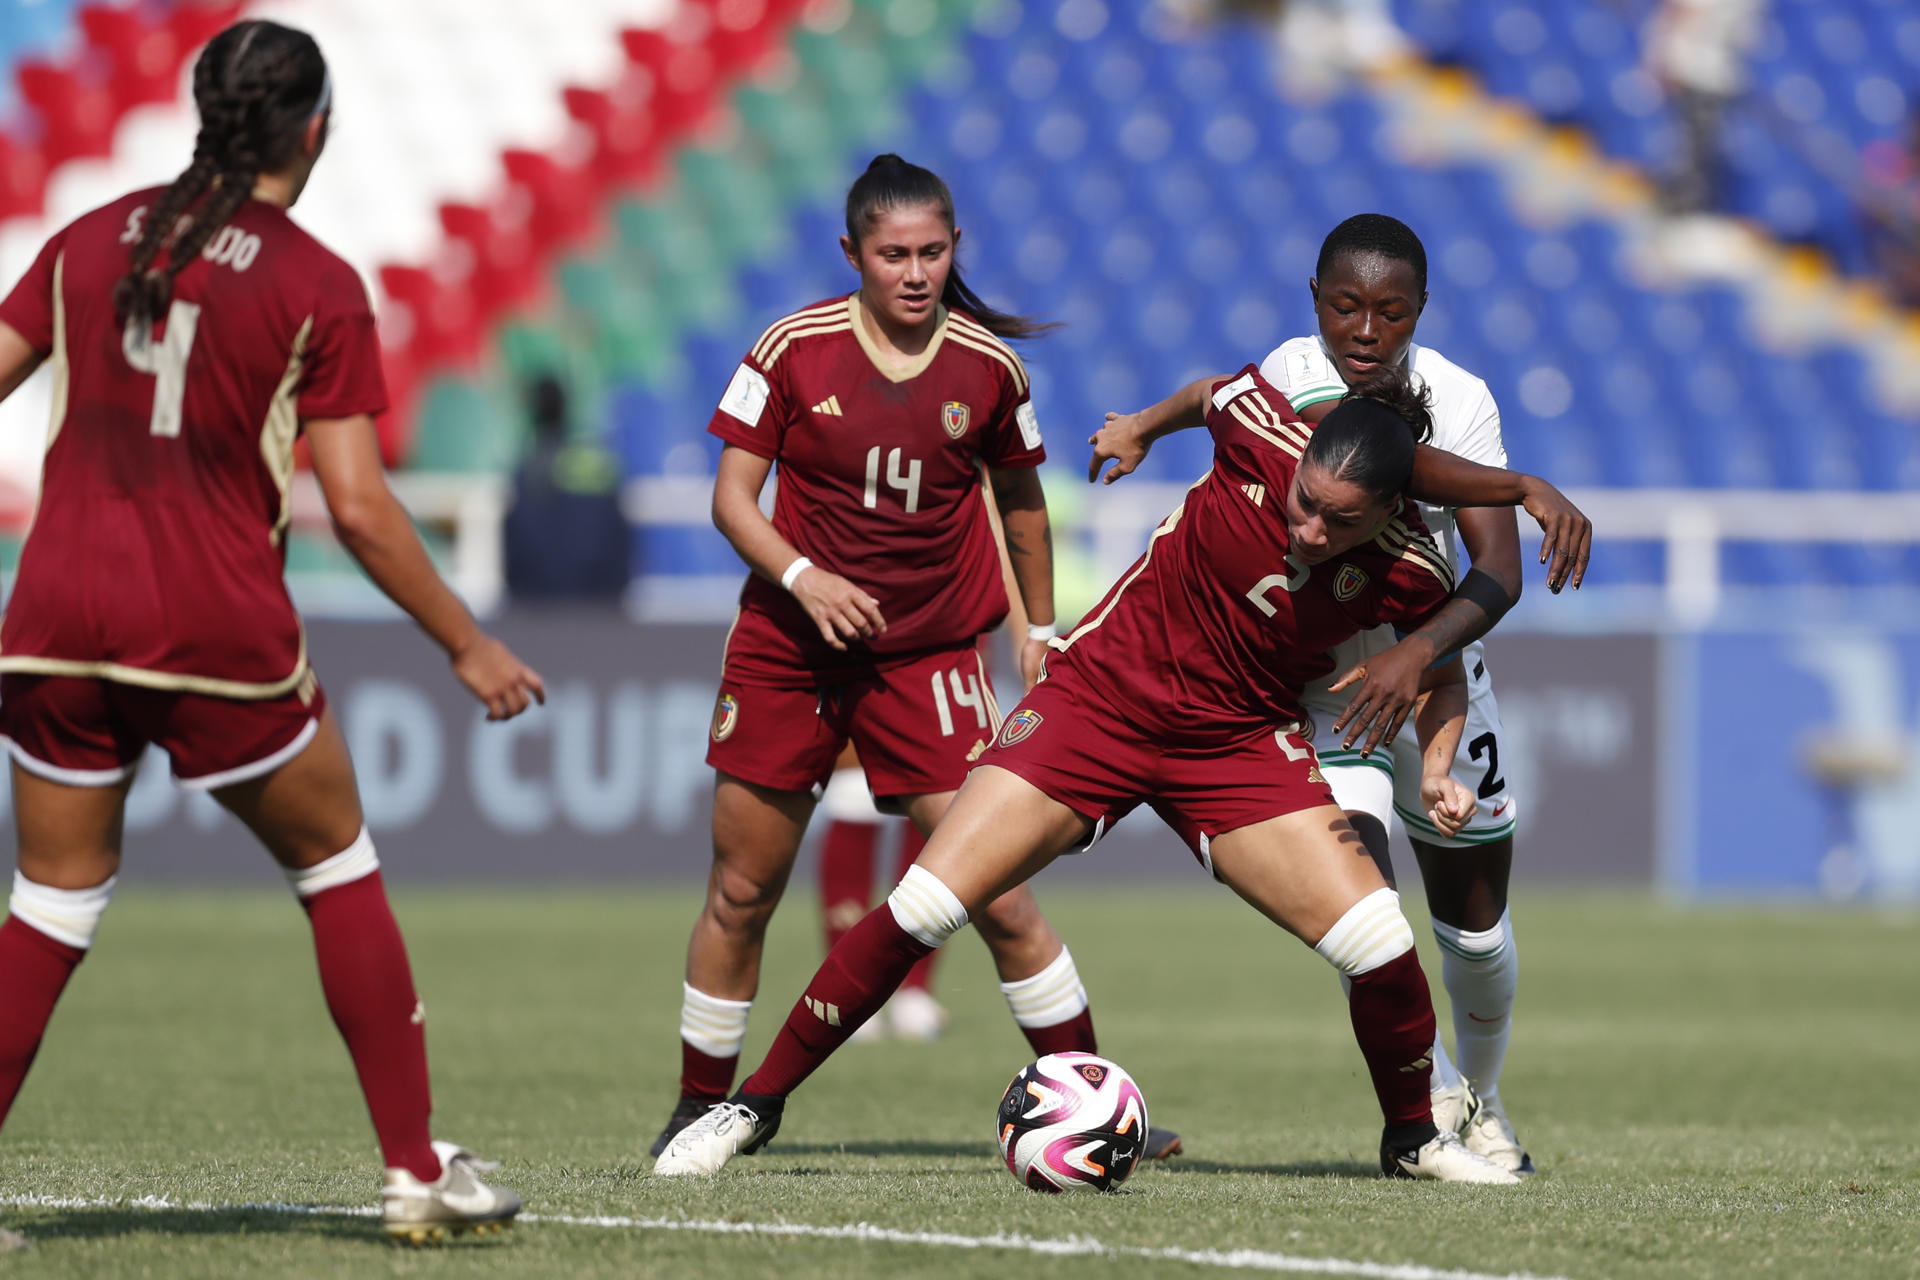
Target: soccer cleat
x,y
1488,1132
1161,1143
453,1204
912,1014
1442,1158
728,1129
685,1112
1454,1107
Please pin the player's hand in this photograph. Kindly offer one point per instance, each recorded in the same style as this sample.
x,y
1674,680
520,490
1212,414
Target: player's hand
x,y
1032,654
1388,684
1448,804
1121,441
493,674
841,610
1569,534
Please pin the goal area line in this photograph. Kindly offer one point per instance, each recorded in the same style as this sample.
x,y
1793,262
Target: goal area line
x,y
1072,1246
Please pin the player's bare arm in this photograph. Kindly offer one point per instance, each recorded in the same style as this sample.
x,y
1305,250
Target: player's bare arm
x,y
1443,479
378,532
840,609
1022,506
1439,718
1125,438
1385,686
18,359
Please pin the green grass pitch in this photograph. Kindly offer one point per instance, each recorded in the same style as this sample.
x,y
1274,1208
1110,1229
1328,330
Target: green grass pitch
x,y
1723,1092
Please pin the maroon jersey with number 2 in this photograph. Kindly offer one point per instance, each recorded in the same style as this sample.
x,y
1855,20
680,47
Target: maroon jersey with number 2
x,y
879,482
157,551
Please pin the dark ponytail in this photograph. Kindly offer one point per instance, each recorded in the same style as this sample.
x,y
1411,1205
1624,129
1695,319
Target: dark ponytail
x,y
893,183
1368,438
256,85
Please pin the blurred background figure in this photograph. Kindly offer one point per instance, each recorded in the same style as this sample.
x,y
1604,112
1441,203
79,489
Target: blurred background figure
x,y
566,537
1890,207
1697,50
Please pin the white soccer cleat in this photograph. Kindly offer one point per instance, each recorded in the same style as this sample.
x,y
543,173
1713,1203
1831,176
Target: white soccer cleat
x,y
1453,1107
912,1014
1444,1158
1489,1133
456,1202
704,1147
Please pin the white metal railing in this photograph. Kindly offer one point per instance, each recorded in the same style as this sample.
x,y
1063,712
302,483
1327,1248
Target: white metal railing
x,y
1693,524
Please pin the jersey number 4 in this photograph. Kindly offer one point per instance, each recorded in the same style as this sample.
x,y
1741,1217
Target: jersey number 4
x,y
165,361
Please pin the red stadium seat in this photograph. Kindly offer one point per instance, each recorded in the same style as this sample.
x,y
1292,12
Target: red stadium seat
x,y
626,143
440,324
684,78
506,273
144,55
23,178
77,111
565,194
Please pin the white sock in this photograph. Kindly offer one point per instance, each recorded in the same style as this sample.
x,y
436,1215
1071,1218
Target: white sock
x,y
714,1026
1050,997
355,862
1481,972
1370,934
65,915
925,908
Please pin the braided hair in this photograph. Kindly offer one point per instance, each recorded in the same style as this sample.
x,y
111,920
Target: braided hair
x,y
256,85
893,183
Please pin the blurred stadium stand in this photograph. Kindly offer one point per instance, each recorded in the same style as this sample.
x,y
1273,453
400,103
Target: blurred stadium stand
x,y
624,199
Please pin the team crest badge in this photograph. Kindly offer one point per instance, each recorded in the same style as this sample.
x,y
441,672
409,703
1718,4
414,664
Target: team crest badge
x,y
1019,726
726,717
954,417
1349,582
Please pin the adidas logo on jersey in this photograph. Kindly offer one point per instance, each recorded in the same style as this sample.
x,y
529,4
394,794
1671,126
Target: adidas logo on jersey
x,y
1257,492
827,1013
830,407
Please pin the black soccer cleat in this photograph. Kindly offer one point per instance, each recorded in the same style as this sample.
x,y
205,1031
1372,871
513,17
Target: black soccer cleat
x,y
1161,1144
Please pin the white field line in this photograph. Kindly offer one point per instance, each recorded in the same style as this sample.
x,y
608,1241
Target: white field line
x,y
1077,1246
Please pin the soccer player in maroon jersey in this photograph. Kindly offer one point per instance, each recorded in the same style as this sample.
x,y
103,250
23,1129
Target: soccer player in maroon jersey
x,y
871,583
1182,690
193,333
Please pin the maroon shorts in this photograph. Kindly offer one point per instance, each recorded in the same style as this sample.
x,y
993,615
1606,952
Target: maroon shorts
x,y
91,733
1069,742
917,726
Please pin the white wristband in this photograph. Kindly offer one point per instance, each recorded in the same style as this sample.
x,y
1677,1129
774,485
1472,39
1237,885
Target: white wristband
x,y
794,570
1040,633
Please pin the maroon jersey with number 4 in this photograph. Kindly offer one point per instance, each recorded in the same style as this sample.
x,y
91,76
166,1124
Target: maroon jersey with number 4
x,y
879,482
157,550
1214,632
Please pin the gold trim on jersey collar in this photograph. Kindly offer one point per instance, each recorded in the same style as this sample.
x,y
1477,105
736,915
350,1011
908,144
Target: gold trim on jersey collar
x,y
880,360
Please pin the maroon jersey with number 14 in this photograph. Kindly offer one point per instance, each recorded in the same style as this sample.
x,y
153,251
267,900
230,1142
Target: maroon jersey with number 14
x,y
879,482
157,550
1217,629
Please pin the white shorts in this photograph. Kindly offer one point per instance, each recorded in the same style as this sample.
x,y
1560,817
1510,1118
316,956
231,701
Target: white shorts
x,y
1391,778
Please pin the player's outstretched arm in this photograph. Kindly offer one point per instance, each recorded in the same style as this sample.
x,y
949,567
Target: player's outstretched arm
x,y
376,530
1388,682
1125,437
1439,722
18,359
1447,480
1022,507
841,610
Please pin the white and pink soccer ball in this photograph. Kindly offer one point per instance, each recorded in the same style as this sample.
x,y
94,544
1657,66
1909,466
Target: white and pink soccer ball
x,y
1072,1122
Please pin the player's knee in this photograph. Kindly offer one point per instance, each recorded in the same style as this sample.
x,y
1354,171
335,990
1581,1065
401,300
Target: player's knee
x,y
742,903
1490,948
69,916
1372,933
355,862
923,906
1011,916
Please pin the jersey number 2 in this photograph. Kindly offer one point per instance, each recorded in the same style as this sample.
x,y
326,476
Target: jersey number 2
x,y
165,360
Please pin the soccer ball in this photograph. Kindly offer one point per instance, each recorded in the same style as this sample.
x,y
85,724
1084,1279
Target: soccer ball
x,y
1072,1122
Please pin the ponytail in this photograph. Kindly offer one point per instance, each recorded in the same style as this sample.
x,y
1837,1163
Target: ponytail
x,y
892,183
256,85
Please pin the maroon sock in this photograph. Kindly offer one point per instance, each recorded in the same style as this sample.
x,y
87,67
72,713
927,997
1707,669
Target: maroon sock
x,y
1392,1013
846,875
1075,1035
369,990
704,1076
920,977
856,979
33,972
